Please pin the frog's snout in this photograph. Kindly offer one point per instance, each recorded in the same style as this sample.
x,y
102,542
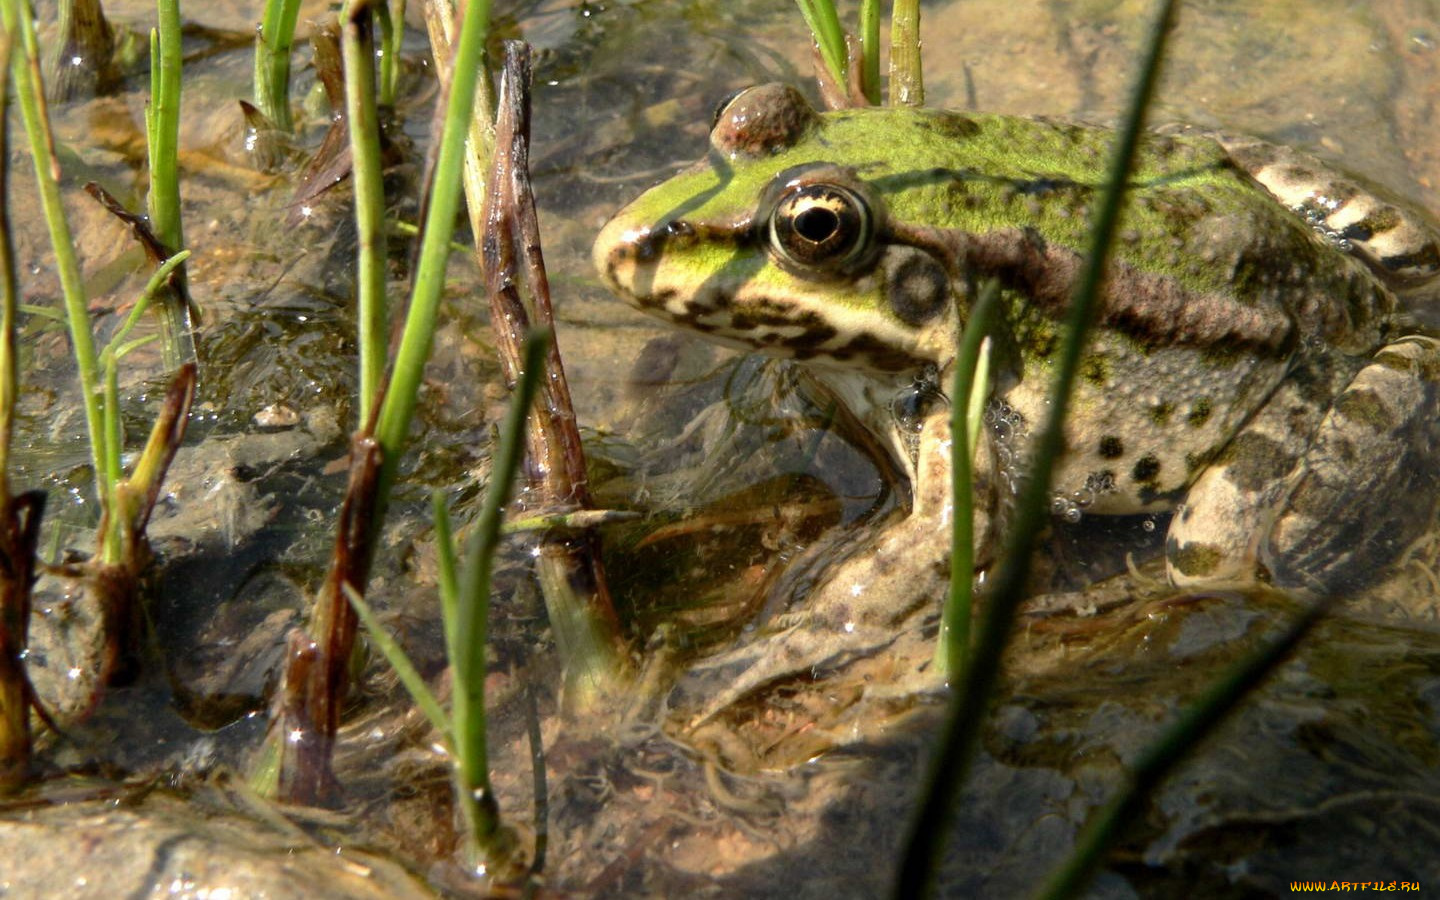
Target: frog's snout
x,y
628,256
621,251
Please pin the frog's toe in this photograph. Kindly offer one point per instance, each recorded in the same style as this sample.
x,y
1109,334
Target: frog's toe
x,y
1369,484
805,649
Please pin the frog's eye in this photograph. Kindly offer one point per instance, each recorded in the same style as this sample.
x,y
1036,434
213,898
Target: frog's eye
x,y
824,226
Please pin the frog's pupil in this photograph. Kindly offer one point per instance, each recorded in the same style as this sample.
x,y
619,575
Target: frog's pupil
x,y
816,224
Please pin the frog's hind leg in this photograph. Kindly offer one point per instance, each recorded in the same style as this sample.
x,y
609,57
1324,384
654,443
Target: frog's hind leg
x,y
1322,507
1369,485
1399,244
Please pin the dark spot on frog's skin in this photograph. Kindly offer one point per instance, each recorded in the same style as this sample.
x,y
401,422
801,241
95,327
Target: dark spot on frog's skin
x,y
1427,259
1254,460
1045,187
1160,413
951,125
1365,407
1199,413
1224,355
1111,447
1194,559
1194,462
1147,469
917,288
1378,222
1095,369
879,354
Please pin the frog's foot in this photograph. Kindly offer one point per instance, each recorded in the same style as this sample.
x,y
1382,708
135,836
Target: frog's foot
x,y
805,648
892,585
860,609
1328,518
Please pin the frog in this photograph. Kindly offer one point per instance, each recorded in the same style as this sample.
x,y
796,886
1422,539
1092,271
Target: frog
x,y
1260,368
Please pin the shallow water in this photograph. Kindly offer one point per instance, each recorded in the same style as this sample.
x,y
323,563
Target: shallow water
x,y
1327,774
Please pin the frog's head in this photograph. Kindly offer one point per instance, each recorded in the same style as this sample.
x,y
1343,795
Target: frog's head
x,y
787,238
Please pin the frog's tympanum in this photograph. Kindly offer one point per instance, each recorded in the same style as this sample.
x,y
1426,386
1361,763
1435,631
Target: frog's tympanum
x,y
1254,366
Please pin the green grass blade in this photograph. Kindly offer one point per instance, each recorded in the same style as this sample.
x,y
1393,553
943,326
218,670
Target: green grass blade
x,y
403,392
358,47
1161,758
162,119
870,50
272,61
162,132
967,400
449,567
392,39
157,280
472,626
970,702
825,27
395,655
19,19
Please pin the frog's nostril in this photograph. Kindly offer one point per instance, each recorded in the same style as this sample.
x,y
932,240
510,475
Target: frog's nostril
x,y
670,236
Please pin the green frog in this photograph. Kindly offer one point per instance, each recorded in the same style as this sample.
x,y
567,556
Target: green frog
x,y
1256,368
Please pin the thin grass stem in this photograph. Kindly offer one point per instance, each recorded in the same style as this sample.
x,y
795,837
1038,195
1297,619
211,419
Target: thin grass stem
x,y
395,655
449,567
825,27
392,39
870,50
970,702
19,19
162,131
358,48
9,282
403,392
472,624
153,289
1164,755
162,121
966,402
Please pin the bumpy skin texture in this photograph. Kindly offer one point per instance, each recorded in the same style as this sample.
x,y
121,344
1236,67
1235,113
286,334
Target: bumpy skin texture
x,y
1247,365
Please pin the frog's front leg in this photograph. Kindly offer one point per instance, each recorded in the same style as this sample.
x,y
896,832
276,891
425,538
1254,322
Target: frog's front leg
x,y
1323,508
865,602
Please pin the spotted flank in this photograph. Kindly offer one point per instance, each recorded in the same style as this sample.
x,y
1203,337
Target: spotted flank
x,y
1397,243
